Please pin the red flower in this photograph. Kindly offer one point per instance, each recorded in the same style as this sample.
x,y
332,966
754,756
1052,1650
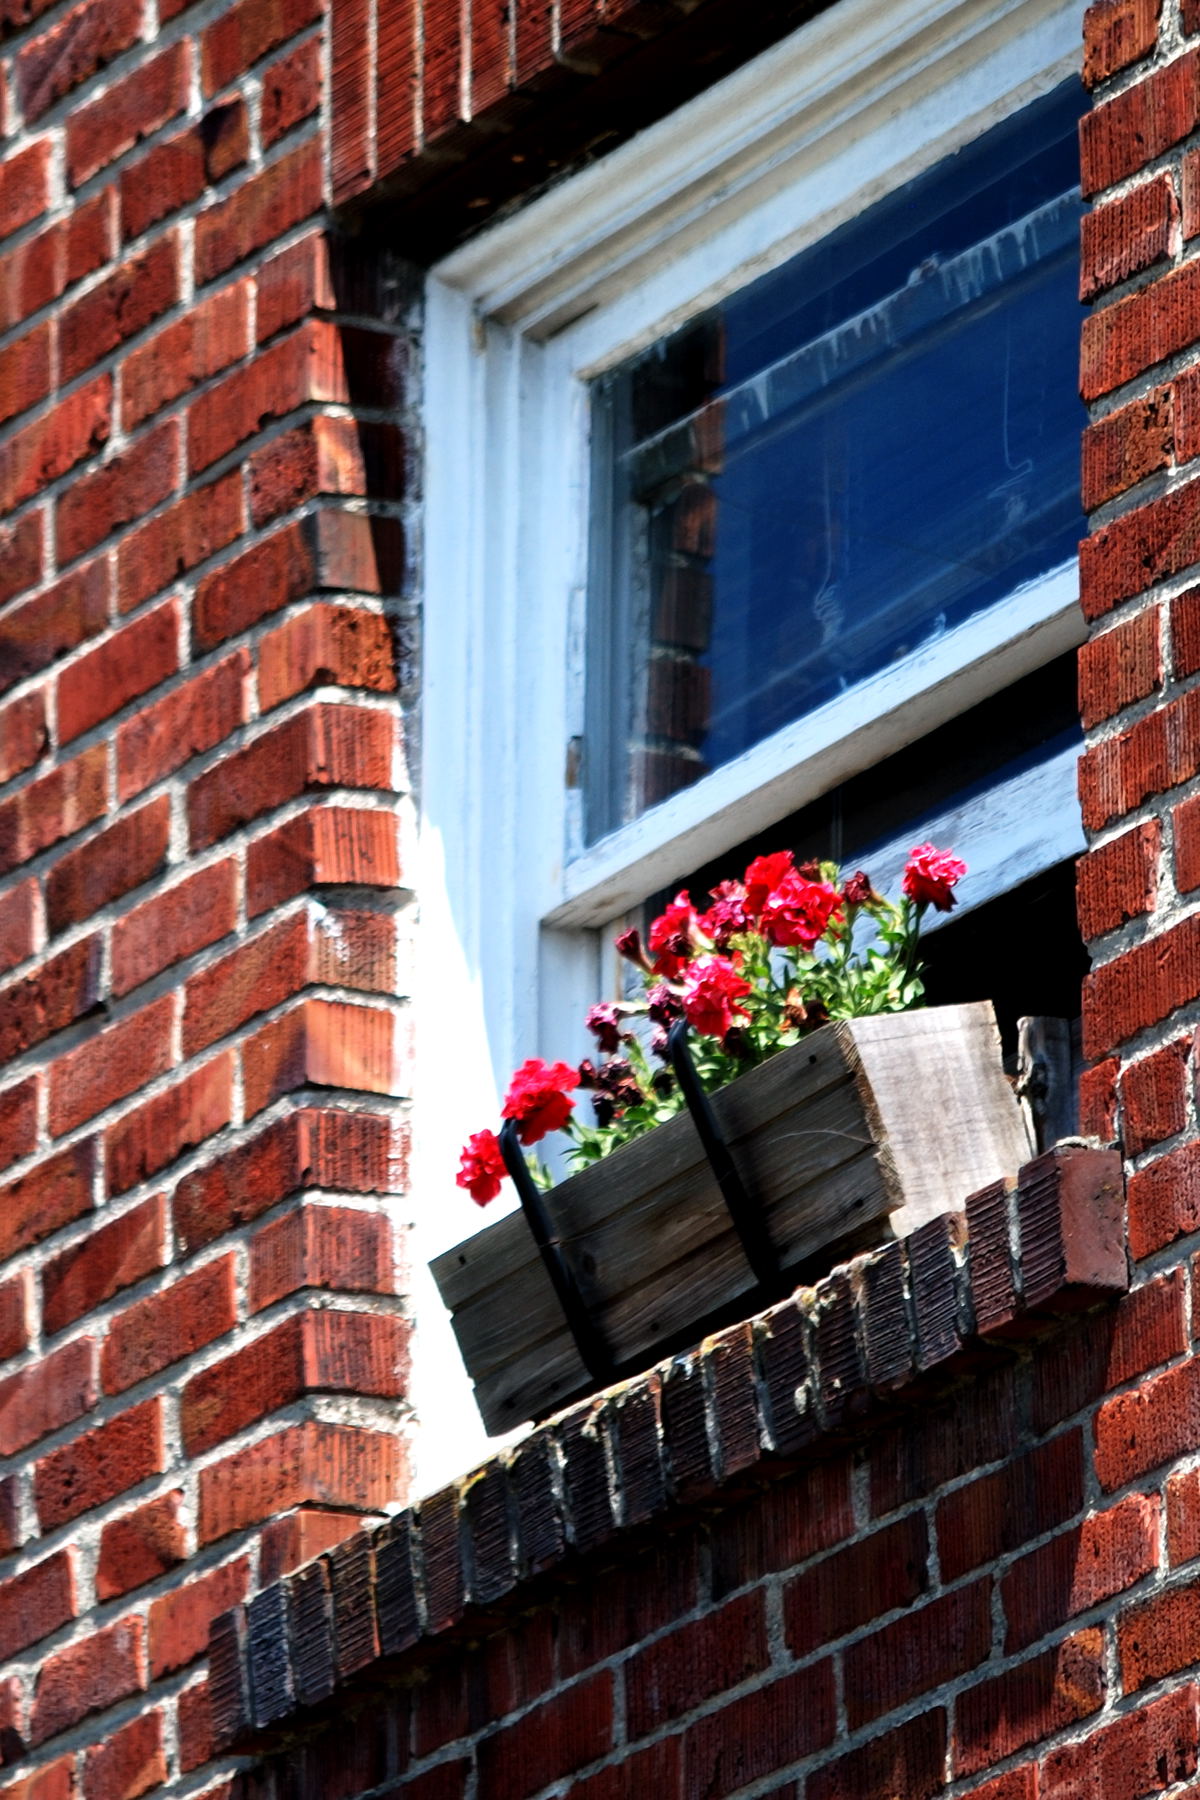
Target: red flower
x,y
765,873
671,936
482,1168
537,1098
727,915
712,988
798,911
929,876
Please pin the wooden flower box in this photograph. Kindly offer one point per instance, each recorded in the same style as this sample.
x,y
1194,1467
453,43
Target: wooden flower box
x,y
858,1133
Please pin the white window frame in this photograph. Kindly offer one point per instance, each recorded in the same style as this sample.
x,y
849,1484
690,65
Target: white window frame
x,y
855,103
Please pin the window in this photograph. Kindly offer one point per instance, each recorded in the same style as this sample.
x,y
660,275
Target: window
x,y
615,377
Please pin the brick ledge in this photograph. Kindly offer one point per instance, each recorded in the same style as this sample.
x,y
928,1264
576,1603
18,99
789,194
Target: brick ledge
x,y
871,1335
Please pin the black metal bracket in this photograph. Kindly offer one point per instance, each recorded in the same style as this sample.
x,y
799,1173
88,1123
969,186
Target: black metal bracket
x,y
593,1351
747,1217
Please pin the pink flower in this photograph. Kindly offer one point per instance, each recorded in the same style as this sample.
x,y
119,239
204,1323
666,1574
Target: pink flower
x,y
629,945
538,1098
929,876
482,1168
727,915
798,911
765,873
712,988
672,936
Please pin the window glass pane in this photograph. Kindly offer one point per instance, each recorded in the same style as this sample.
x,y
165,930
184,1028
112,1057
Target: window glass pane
x,y
862,449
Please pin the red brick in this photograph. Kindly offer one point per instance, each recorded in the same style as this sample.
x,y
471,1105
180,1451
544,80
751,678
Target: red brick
x,y
325,645
1145,1329
1118,667
246,32
87,1677
755,1735
334,1247
1156,1421
131,298
166,178
328,745
322,1043
291,91
47,1394
179,1621
304,367
54,807
1140,1753
128,1763
206,340
1019,1784
37,1602
155,1332
1080,1568
192,719
195,1727
99,1465
174,541
1183,1516
299,1537
1160,1637
359,1153
25,186
682,1670
79,1279
1058,1688
337,845
1185,632
1122,340
23,735
256,975
352,160
396,76
1154,1094
998,1512
38,632
173,925
54,1781
25,366
1164,1200
315,1352
1117,881
1187,846
856,1584
563,1734
129,111
331,550
119,493
48,1197
21,931
36,455
328,1465
1115,34
10,1529
21,549
115,1063
1141,987
18,1120
652,1770
1127,445
141,1545
264,207
118,860
322,456
54,996
1123,135
42,267
294,283
14,1315
920,1651
83,41
174,1122
909,1761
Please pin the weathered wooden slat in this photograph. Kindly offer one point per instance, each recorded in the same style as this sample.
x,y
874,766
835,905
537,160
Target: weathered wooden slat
x,y
906,1113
